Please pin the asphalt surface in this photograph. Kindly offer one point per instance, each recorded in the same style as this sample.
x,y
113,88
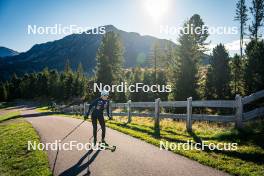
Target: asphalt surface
x,y
132,156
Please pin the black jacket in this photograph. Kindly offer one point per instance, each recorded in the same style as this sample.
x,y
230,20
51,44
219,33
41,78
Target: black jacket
x,y
98,106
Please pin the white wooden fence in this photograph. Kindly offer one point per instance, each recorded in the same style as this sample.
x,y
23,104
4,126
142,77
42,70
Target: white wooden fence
x,y
238,117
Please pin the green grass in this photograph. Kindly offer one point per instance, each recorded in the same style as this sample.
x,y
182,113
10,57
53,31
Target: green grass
x,y
15,158
247,160
9,115
43,109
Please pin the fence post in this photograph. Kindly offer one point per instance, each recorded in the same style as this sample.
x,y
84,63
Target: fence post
x,y
189,114
129,111
157,117
239,112
110,109
84,108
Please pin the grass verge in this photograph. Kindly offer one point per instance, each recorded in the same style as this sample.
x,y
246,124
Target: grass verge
x,y
247,160
15,158
9,115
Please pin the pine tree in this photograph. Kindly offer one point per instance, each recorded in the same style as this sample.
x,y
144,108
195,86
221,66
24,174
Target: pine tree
x,y
136,78
3,92
199,32
186,84
257,11
254,72
14,87
110,60
79,82
148,79
33,84
241,16
120,96
25,87
170,59
42,82
67,67
237,75
156,58
80,70
189,54
53,83
218,76
68,86
162,81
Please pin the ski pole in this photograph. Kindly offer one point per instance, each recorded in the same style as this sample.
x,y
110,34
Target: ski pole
x,y
72,130
88,167
57,153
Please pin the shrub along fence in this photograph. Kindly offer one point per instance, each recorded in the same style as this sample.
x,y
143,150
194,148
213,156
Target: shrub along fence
x,y
238,117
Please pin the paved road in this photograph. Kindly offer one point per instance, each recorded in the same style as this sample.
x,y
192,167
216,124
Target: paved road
x,y
132,157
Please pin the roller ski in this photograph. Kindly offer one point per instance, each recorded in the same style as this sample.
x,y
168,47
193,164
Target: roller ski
x,y
106,146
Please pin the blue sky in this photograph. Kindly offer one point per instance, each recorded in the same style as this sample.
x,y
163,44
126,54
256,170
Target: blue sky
x,y
127,15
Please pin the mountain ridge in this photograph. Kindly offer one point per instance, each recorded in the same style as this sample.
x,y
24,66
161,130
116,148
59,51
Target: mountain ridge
x,y
78,48
5,52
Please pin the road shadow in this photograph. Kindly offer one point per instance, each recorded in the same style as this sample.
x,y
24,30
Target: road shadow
x,y
170,131
255,156
39,114
80,166
15,107
33,115
150,132
196,138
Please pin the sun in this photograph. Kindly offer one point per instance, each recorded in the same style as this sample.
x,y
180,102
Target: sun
x,y
156,8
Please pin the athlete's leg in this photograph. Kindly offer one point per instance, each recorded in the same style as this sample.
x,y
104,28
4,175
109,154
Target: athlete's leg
x,y
94,122
102,124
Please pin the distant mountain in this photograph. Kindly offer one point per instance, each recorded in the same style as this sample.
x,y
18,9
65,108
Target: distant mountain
x,y
4,52
78,48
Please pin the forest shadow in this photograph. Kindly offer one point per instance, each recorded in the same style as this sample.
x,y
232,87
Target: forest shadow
x,y
255,157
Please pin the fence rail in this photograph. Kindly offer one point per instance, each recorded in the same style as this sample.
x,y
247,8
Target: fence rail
x,y
253,97
238,117
214,103
253,114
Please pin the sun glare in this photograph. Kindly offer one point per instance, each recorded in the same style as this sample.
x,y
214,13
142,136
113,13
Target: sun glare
x,y
156,8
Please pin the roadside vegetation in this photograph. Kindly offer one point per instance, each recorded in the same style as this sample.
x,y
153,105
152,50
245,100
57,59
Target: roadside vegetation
x,y
247,160
9,115
15,158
